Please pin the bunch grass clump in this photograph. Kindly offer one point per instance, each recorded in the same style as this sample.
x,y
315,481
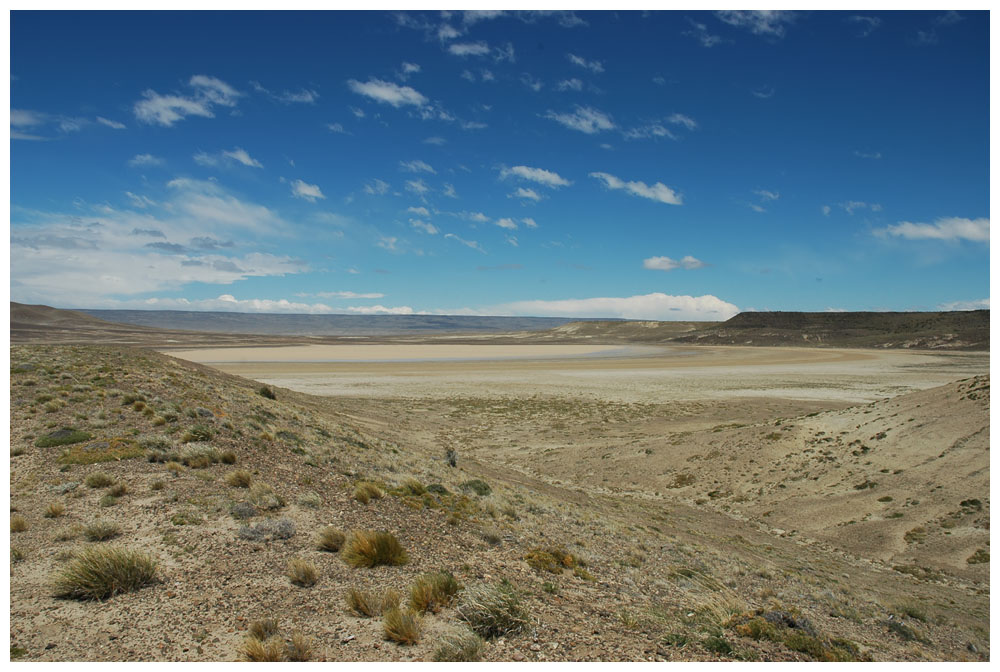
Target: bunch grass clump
x,y
241,478
459,646
18,523
330,539
269,651
492,610
366,548
402,627
370,605
365,491
264,497
302,572
101,530
199,455
433,592
98,479
100,572
299,649
54,510
264,629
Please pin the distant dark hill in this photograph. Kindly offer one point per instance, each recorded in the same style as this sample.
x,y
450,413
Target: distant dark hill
x,y
958,330
324,325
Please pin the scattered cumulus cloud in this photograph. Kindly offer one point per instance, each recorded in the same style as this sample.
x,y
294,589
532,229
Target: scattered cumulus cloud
x,y
166,110
416,166
336,128
766,22
238,155
699,31
417,187
866,24
507,223
422,211
111,123
526,194
531,82
377,188
656,192
594,66
471,244
529,222
469,49
449,191
947,228
389,93
435,140
656,306
825,210
145,160
850,206
584,119
763,92
544,177
867,155
668,264
304,190
573,84
979,304
381,310
421,225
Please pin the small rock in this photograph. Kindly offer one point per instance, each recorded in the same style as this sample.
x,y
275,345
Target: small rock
x,y
535,647
518,656
345,640
50,645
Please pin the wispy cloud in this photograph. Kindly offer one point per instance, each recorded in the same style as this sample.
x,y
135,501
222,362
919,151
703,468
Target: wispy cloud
x,y
238,155
416,166
377,188
850,206
529,222
421,225
407,69
763,92
417,187
767,22
166,110
656,192
866,24
532,83
304,190
947,228
506,223
471,244
345,295
573,84
544,177
469,49
526,194
337,128
110,123
584,119
594,66
435,140
145,160
867,155
389,93
422,211
656,306
307,96
668,264
979,304
699,31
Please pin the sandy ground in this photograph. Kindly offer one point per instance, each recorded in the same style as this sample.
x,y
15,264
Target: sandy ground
x,y
651,375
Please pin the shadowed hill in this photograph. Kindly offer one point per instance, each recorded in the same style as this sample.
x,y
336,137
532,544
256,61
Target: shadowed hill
x,y
958,330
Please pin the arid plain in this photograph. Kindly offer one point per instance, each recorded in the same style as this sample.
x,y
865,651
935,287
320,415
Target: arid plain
x,y
634,501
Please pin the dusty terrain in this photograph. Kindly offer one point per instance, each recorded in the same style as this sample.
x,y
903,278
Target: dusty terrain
x,y
841,496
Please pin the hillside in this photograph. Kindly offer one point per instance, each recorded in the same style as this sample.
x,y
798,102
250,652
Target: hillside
x,y
154,454
958,330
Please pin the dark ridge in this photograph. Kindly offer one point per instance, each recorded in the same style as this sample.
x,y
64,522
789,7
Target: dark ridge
x,y
956,330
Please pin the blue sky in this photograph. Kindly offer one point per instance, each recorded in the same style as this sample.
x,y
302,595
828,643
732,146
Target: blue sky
x,y
671,165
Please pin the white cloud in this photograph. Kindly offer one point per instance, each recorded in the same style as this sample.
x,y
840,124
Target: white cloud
x,y
487,75
426,227
471,244
449,191
377,188
23,118
417,187
140,201
471,17
766,195
532,83
381,310
145,160
468,76
682,120
763,92
471,216
594,66
166,110
111,123
547,178
469,49
504,53
584,119
825,209
237,154
230,304
507,223
511,240
867,155
435,140
357,112
309,192
346,295
850,206
526,194
756,208
573,84
980,304
529,222
946,228
388,92
759,22
866,24
416,166
472,125
387,242
336,128
701,34
407,69
307,96
657,192
656,306
419,211
668,264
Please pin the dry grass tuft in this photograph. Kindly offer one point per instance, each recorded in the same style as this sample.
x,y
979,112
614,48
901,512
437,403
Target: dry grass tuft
x,y
401,626
366,548
100,572
363,603
330,539
365,491
492,611
98,479
302,572
54,510
264,629
264,497
269,651
459,646
101,530
433,592
299,649
241,478
18,524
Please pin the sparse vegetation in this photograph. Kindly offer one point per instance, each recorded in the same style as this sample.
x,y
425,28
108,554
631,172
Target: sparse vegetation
x,y
459,646
402,627
365,491
264,629
302,572
256,651
100,572
553,559
62,437
267,392
264,497
433,592
268,530
54,510
241,478
101,530
366,548
330,539
477,486
492,610
299,649
18,524
98,479
364,603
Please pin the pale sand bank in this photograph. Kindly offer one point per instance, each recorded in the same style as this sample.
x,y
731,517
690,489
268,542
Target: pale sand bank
x,y
403,353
